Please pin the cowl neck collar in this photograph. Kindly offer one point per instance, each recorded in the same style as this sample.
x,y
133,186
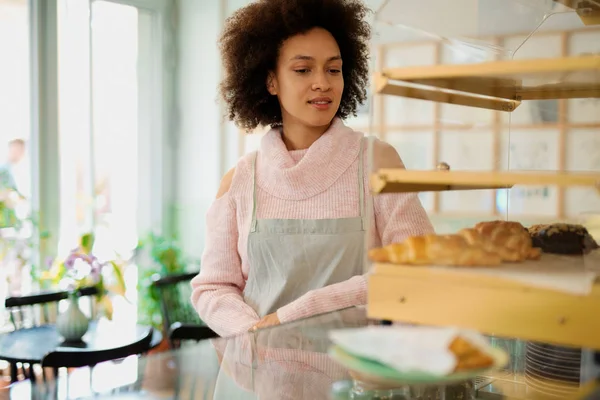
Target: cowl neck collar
x,y
278,173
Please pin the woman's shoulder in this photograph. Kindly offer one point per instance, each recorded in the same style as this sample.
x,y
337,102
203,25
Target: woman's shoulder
x,y
236,176
384,154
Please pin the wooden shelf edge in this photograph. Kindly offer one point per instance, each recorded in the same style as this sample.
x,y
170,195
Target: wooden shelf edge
x,y
495,69
384,86
455,276
401,180
464,276
501,81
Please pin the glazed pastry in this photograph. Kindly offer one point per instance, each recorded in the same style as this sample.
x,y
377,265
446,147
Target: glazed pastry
x,y
451,250
509,239
562,238
468,356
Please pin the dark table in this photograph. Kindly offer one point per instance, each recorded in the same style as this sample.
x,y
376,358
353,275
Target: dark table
x,y
30,345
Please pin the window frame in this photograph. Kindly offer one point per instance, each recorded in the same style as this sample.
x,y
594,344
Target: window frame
x,y
156,153
156,99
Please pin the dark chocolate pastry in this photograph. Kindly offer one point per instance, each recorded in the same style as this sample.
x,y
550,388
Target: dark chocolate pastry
x,y
562,238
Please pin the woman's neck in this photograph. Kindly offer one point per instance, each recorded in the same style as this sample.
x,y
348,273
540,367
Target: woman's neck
x,y
297,136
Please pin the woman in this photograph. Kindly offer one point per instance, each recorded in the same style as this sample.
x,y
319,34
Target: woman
x,y
285,235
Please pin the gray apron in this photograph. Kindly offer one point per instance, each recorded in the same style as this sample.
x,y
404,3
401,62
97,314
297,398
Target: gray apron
x,y
290,257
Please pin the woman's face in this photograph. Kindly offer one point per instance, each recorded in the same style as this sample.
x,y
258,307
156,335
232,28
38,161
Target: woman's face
x,y
308,80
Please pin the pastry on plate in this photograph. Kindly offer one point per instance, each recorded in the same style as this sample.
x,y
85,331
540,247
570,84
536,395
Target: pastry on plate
x,y
562,238
469,356
436,351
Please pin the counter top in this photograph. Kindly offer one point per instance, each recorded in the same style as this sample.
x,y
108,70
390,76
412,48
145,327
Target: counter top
x,y
283,362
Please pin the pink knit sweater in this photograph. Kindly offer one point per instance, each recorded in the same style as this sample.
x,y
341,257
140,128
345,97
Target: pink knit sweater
x,y
320,182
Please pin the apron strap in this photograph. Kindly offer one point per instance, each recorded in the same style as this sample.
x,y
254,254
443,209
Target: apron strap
x,y
361,186
253,223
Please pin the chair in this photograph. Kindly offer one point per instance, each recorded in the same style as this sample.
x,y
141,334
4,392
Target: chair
x,y
20,307
179,332
36,308
180,319
77,358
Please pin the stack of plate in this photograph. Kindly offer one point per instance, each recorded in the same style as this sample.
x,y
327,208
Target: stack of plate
x,y
552,370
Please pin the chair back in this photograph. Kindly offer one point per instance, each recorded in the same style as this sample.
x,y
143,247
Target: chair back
x,y
178,313
38,308
179,332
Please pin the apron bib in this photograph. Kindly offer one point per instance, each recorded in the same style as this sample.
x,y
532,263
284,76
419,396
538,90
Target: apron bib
x,y
290,257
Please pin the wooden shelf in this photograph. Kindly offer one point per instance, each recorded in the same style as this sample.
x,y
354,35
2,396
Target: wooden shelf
x,y
490,304
401,180
504,83
383,85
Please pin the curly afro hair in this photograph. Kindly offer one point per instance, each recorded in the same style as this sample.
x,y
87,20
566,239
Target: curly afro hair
x,y
250,46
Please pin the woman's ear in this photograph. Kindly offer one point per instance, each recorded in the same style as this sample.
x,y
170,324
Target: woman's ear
x,y
272,84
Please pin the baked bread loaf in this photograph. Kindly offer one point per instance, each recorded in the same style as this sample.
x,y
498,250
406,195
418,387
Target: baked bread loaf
x,y
509,239
487,244
451,250
562,239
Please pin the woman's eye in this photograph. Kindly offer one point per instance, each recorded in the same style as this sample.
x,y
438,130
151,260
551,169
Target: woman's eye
x,y
335,71
302,71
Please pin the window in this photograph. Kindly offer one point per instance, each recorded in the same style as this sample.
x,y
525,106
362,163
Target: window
x,y
15,162
111,127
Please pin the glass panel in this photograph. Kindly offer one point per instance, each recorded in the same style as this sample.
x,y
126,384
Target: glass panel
x,y
489,109
436,33
555,134
292,359
15,163
467,22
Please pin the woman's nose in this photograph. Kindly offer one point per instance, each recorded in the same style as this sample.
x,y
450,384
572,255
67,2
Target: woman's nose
x,y
321,82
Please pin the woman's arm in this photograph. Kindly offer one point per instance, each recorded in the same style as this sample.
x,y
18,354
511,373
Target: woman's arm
x,y
397,216
217,290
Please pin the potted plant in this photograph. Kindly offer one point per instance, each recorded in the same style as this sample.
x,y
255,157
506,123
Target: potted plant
x,y
158,255
78,270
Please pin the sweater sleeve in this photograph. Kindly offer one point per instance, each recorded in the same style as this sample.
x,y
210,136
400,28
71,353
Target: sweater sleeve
x,y
397,216
217,289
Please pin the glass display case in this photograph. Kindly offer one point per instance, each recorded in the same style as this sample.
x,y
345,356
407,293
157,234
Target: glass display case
x,y
494,109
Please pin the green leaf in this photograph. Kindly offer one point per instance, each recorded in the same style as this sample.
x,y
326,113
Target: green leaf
x,y
86,242
120,287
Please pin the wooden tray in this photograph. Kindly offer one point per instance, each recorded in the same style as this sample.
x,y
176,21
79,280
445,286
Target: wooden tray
x,y
491,304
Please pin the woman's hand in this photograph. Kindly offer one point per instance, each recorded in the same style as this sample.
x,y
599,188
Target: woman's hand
x,y
269,320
